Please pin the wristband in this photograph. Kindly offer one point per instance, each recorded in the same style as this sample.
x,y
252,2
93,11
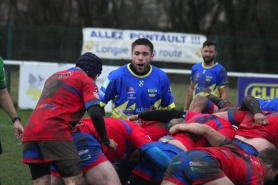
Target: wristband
x,y
16,118
106,142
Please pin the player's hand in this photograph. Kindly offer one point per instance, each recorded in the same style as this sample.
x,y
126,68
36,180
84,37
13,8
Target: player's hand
x,y
134,156
18,129
113,145
133,118
260,119
176,122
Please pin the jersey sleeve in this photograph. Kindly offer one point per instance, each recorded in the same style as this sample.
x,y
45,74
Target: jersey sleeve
x,y
90,92
222,77
236,117
2,74
167,96
108,89
193,68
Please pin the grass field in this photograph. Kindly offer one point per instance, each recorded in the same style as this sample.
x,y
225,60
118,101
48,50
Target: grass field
x,y
12,170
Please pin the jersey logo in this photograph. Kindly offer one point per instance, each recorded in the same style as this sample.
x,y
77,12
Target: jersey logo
x,y
196,77
131,92
141,83
208,78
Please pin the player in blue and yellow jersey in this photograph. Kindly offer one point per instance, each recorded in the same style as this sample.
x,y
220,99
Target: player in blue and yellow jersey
x,y
138,86
207,77
268,105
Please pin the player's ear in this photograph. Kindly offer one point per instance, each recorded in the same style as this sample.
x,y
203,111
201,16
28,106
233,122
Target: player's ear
x,y
97,75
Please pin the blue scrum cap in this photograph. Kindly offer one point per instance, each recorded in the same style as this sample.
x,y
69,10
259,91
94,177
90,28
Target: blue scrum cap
x,y
90,64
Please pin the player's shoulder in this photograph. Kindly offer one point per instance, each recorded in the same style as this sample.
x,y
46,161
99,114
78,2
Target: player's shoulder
x,y
197,65
218,65
119,71
157,71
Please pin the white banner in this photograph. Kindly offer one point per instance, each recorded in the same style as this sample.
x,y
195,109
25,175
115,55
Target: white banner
x,y
33,76
168,47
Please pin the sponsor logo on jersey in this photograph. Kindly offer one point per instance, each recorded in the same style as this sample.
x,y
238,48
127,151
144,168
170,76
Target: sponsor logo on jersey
x,y
129,111
196,77
64,74
131,97
131,90
200,170
198,163
47,106
141,109
96,95
152,92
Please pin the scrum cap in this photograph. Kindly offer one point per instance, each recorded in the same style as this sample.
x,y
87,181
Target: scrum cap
x,y
90,64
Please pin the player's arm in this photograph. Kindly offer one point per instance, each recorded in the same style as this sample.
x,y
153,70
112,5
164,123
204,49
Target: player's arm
x,y
102,110
8,106
224,93
250,103
107,91
167,99
98,121
219,102
158,157
213,137
160,115
189,96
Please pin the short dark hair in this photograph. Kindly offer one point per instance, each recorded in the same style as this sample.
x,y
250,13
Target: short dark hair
x,y
210,43
269,156
142,41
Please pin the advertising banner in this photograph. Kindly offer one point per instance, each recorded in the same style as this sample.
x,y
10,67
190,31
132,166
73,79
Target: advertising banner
x,y
265,88
33,76
168,47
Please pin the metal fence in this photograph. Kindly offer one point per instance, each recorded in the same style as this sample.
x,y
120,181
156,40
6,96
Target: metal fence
x,y
63,45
